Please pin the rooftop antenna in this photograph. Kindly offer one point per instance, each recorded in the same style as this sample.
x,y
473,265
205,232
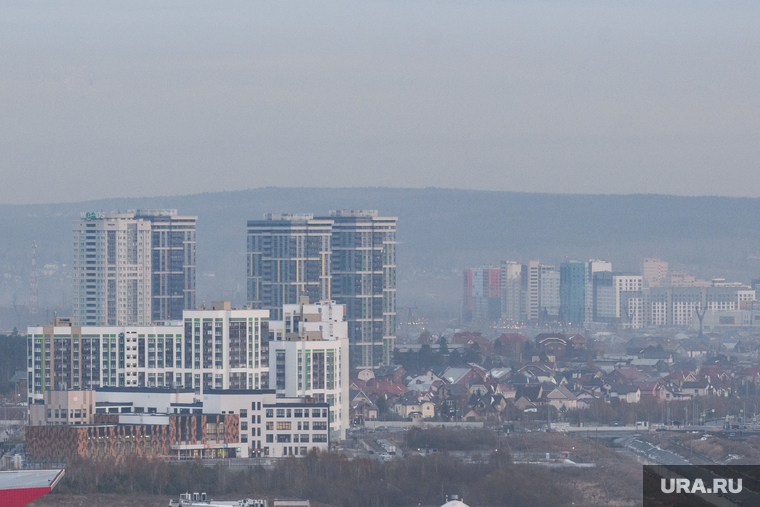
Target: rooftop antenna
x,y
33,304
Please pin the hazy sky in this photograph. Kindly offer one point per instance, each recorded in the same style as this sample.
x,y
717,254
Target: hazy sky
x,y
105,99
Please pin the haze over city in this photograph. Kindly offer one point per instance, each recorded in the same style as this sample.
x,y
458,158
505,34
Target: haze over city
x,y
147,99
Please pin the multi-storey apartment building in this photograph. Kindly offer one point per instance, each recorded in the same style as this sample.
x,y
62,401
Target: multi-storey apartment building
x,y
481,298
309,357
510,283
629,300
364,279
289,256
655,272
112,270
172,262
549,301
218,348
348,256
531,290
682,306
572,292
134,268
592,267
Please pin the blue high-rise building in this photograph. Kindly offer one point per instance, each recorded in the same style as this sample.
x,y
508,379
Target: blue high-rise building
x,y
572,292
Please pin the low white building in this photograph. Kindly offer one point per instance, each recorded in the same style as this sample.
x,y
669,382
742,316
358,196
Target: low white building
x,y
308,357
269,426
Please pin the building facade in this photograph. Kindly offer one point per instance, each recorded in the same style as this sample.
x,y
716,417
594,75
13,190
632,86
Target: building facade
x,y
572,292
364,280
218,348
348,256
655,272
510,283
482,295
289,256
149,435
134,268
549,300
309,358
172,262
112,270
177,423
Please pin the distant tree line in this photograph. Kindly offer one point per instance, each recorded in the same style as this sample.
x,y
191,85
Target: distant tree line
x,y
330,478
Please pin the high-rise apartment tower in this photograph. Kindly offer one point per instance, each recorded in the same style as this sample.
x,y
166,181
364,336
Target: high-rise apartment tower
x,y
348,256
112,270
172,262
134,268
288,257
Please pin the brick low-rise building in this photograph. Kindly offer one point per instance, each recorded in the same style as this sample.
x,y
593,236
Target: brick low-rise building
x,y
149,435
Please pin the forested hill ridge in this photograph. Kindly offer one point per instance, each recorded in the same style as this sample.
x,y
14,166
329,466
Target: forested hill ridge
x,y
440,231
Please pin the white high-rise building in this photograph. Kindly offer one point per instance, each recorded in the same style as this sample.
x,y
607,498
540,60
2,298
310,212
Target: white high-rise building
x,y
629,300
511,289
309,357
112,270
549,293
532,273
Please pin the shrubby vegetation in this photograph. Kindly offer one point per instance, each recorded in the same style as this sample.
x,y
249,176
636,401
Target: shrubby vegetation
x,y
332,479
452,440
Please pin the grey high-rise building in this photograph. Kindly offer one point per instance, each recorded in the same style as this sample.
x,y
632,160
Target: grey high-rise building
x,y
348,256
364,279
289,256
172,262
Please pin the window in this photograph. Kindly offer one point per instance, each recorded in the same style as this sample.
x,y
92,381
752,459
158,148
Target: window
x,y
304,439
306,425
321,425
258,419
283,438
298,412
295,439
315,412
283,425
243,425
243,413
270,438
270,425
280,412
270,412
243,438
319,438
324,413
